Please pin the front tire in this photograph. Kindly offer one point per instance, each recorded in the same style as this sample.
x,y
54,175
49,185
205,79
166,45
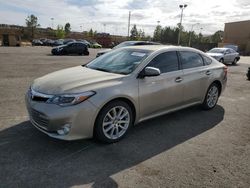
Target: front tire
x,y
212,97
221,60
113,122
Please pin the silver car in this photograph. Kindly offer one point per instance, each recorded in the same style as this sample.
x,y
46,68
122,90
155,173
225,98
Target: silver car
x,y
224,55
116,90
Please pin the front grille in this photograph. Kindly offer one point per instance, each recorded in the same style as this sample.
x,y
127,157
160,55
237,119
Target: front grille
x,y
39,118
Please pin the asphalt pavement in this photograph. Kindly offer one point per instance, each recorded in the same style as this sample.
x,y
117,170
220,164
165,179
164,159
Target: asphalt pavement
x,y
188,148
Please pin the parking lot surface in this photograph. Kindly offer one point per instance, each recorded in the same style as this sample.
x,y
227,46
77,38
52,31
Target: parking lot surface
x,y
188,148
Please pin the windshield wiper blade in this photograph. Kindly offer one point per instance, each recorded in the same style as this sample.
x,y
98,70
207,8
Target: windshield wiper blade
x,y
101,69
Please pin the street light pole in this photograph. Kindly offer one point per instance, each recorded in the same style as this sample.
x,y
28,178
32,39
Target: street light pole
x,y
190,35
52,22
182,7
129,15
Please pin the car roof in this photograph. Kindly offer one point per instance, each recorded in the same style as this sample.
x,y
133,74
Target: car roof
x,y
222,48
162,47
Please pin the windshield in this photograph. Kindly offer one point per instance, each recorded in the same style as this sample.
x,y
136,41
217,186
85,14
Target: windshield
x,y
123,61
124,44
217,50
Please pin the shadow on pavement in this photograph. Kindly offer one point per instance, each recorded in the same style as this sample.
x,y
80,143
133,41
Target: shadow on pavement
x,y
29,158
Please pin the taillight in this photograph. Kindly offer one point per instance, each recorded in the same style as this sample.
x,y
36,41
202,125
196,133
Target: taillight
x,y
225,71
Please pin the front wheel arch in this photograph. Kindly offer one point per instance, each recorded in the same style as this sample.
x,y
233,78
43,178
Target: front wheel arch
x,y
96,130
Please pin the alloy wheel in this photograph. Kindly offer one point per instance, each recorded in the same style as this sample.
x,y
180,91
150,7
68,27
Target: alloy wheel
x,y
212,96
116,122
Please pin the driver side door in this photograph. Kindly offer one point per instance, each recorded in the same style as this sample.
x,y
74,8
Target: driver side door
x,y
164,92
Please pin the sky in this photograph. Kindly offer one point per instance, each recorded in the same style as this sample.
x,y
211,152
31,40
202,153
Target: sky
x,y
112,15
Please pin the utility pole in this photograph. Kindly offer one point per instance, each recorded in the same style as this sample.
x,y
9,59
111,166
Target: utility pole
x,y
190,35
129,15
182,7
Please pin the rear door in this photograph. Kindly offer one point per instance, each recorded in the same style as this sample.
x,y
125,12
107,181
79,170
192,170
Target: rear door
x,y
195,76
163,92
227,56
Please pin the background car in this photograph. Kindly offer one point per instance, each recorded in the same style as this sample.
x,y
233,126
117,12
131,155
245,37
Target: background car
x,y
127,43
48,42
124,87
224,55
58,42
66,41
37,42
85,42
71,48
96,45
232,46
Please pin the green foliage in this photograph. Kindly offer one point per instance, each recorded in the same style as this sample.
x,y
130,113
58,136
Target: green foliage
x,y
67,28
60,32
168,35
217,36
133,33
31,23
91,33
136,34
158,33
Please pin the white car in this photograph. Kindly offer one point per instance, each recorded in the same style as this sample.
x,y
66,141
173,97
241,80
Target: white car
x,y
224,55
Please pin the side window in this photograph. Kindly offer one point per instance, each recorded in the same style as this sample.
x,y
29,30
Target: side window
x,y
232,51
207,60
190,60
166,62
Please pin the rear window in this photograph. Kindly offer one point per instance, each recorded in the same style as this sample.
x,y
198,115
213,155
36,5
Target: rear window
x,y
190,60
207,60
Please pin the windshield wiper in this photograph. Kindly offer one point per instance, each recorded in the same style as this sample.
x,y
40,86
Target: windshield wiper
x,y
99,69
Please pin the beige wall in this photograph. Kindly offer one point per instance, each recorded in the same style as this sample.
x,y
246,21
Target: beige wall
x,y
237,33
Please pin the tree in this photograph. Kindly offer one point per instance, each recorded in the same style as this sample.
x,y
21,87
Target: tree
x,y
91,33
134,33
157,33
60,32
31,23
67,28
141,35
217,36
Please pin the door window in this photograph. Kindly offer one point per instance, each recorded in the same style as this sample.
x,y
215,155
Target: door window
x,y
190,60
166,62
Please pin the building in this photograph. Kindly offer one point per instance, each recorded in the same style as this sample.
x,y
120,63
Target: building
x,y
10,35
238,33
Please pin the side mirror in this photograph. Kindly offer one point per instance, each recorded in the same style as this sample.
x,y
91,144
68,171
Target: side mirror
x,y
149,72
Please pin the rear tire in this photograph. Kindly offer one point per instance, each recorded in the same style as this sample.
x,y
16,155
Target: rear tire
x,y
86,53
113,122
234,61
212,97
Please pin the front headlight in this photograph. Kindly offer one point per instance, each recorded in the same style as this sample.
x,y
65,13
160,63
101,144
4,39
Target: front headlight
x,y
70,99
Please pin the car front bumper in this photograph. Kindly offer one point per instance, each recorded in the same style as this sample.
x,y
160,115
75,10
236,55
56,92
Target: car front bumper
x,y
51,118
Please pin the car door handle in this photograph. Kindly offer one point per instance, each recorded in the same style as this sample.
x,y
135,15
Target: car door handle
x,y
178,79
208,72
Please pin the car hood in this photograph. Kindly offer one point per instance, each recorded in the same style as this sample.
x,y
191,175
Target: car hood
x,y
75,80
214,54
104,51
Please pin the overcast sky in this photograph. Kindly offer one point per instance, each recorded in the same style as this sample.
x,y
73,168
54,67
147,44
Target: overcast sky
x,y
86,14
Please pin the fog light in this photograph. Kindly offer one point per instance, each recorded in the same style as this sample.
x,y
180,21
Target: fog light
x,y
65,129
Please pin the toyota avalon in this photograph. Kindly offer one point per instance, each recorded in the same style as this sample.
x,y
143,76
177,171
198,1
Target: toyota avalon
x,y
104,98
